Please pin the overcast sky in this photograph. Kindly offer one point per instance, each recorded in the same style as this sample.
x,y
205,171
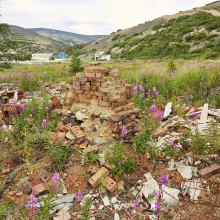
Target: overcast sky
x,y
89,16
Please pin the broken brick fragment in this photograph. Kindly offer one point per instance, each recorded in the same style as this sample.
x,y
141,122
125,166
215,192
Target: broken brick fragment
x,y
76,131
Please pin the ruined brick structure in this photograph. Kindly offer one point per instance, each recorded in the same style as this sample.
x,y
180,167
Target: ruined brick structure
x,y
105,99
101,87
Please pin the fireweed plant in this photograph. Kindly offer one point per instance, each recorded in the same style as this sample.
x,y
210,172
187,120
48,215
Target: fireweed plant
x,y
117,159
40,212
159,196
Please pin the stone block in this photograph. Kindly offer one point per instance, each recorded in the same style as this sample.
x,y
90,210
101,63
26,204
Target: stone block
x,y
80,91
76,131
98,75
110,184
101,70
94,102
87,84
116,110
96,178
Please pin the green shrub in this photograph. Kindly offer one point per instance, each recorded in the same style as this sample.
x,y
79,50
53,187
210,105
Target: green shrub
x,y
116,37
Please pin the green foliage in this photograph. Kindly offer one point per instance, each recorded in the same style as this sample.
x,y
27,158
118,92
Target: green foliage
x,y
75,65
117,159
85,208
59,155
168,150
171,66
116,37
90,158
142,141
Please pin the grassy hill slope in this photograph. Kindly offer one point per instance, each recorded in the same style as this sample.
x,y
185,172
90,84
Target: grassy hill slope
x,y
189,34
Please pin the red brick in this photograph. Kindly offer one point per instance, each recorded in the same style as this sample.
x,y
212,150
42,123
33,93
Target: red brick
x,y
83,79
77,98
87,84
101,70
80,75
84,100
79,91
96,178
105,85
98,75
56,102
94,102
116,110
139,160
68,126
105,99
100,93
54,98
100,99
39,189
103,89
77,83
94,97
93,88
105,104
91,93
77,132
129,106
80,95
85,88
104,79
90,75
89,70
84,96
61,127
87,92
117,77
110,184
125,81
88,96
209,171
98,84
61,135
53,135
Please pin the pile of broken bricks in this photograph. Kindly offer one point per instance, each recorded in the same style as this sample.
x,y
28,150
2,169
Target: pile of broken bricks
x,y
83,125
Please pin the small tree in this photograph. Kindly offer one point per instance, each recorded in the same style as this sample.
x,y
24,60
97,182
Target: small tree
x,y
171,66
75,65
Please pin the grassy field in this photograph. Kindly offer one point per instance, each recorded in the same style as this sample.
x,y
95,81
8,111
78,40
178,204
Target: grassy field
x,y
198,79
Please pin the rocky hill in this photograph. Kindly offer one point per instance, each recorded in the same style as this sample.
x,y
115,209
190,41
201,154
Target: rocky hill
x,y
66,38
186,34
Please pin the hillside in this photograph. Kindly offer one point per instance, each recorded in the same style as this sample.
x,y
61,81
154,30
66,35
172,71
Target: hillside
x,y
186,34
30,42
66,38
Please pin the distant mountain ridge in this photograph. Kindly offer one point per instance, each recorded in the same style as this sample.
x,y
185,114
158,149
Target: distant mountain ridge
x,y
65,37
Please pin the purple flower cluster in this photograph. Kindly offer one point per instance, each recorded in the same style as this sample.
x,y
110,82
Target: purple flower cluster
x,y
159,116
79,197
153,108
124,132
32,205
44,124
55,178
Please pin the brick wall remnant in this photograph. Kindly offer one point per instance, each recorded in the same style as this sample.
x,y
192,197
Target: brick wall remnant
x,y
98,86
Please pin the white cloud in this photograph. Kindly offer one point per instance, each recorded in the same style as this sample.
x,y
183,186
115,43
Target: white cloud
x,y
90,17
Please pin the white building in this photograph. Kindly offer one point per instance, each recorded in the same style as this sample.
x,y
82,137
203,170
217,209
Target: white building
x,y
102,55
